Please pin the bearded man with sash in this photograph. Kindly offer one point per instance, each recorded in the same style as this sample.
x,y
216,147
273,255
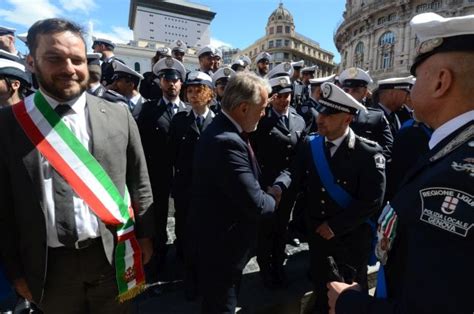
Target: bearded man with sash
x,y
344,175
74,188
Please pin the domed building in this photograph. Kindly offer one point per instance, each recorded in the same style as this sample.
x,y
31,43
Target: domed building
x,y
375,35
285,44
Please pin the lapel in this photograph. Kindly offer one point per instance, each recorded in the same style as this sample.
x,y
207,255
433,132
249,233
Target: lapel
x,y
192,122
98,120
163,106
31,161
277,121
208,120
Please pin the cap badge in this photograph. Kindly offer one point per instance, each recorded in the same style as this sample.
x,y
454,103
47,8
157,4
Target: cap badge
x,y
429,45
327,90
169,62
287,67
283,82
226,71
179,43
352,72
193,75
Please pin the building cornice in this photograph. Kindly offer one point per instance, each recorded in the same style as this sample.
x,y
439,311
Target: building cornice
x,y
173,7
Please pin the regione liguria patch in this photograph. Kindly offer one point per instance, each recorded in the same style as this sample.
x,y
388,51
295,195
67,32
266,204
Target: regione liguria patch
x,y
448,209
379,161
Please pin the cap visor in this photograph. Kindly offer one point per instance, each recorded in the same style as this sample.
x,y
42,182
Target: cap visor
x,y
326,110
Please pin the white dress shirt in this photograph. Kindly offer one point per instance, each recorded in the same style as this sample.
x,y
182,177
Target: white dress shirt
x,y
174,102
449,127
337,142
86,222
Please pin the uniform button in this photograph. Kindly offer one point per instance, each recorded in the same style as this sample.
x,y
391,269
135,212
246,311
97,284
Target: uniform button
x,y
183,138
177,170
338,181
323,201
289,135
344,182
288,146
198,137
323,190
157,128
287,158
270,133
323,212
307,171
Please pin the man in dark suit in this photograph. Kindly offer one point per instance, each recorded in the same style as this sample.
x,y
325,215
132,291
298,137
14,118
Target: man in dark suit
x,y
154,123
59,254
275,141
227,198
345,177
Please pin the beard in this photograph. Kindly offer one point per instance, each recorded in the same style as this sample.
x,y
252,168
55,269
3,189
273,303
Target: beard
x,y
62,87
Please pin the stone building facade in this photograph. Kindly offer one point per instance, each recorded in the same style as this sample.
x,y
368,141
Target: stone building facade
x,y
375,35
285,44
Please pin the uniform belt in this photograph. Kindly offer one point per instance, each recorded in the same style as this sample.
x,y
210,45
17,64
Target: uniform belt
x,y
79,245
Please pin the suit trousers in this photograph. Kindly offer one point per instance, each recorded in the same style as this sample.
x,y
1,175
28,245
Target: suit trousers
x,y
81,281
350,251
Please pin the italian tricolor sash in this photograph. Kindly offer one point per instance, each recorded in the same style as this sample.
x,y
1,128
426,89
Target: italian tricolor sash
x,y
55,141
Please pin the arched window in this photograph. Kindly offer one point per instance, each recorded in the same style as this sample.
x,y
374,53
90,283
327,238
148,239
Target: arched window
x,y
137,67
359,55
387,38
386,50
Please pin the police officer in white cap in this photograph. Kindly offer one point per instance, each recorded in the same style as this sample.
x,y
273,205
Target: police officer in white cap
x,y
220,79
206,59
392,94
13,82
297,83
125,81
308,109
307,73
262,62
154,123
345,174
106,48
150,85
433,211
370,123
7,40
275,141
178,50
217,60
238,65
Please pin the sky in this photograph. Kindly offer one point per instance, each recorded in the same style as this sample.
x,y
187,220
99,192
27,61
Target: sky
x,y
238,23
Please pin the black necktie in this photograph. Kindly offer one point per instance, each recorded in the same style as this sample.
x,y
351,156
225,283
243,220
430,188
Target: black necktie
x,y
284,119
62,110
329,145
199,122
63,201
170,108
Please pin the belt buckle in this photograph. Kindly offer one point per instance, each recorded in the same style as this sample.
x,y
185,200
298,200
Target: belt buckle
x,y
79,245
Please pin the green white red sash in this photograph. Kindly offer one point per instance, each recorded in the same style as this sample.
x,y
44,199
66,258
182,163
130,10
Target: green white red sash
x,y
55,141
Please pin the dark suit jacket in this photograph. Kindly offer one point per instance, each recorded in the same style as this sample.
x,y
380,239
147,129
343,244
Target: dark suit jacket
x,y
154,124
115,145
374,126
226,203
184,135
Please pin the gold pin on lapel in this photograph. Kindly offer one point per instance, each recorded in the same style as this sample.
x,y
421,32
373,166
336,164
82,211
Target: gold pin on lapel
x,y
102,110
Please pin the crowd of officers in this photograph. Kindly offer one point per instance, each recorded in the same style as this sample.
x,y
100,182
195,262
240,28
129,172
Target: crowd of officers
x,y
367,153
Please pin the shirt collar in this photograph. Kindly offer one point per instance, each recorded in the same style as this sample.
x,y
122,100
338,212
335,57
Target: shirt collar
x,y
204,115
279,114
239,128
135,98
387,111
94,87
174,102
338,141
449,127
77,104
